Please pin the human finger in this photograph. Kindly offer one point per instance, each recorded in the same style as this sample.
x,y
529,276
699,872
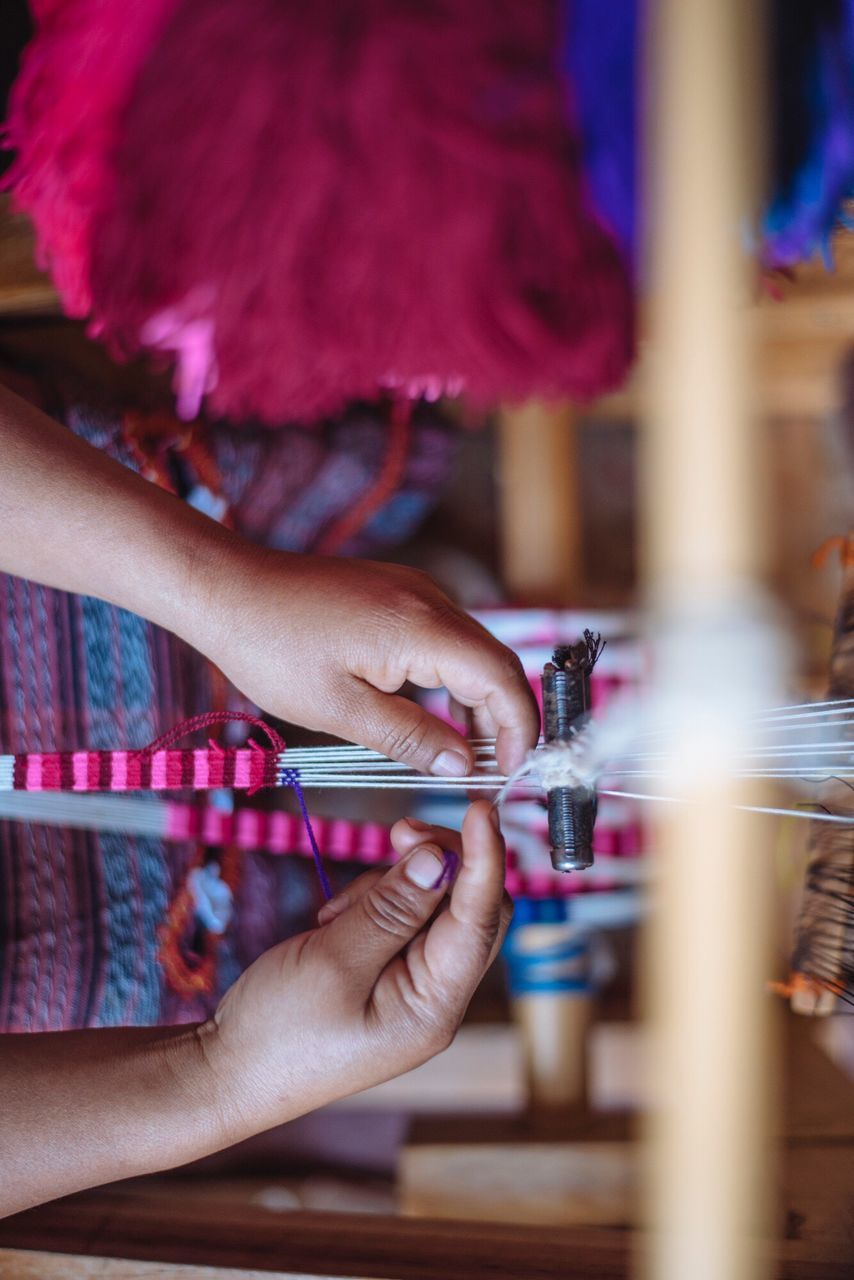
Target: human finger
x,y
402,730
344,900
486,676
460,942
407,833
381,922
461,715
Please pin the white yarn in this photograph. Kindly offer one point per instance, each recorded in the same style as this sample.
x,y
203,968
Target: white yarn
x,y
567,764
212,897
577,763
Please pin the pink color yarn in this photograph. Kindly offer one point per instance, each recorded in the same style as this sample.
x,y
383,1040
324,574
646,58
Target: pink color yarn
x,y
342,194
64,113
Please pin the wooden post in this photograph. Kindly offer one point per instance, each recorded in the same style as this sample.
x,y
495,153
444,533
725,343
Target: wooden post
x,y
705,551
554,1046
539,504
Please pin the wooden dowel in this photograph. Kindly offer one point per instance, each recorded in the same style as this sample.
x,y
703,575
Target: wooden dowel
x,y
705,548
540,516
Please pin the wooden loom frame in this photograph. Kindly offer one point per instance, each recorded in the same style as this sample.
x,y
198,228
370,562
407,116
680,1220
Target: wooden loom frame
x,y
706,547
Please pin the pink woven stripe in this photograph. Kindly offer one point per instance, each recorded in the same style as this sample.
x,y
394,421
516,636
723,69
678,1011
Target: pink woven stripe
x,y
133,767
374,843
201,768
216,768
158,769
280,832
34,771
51,772
119,780
243,768
93,770
248,830
80,768
179,822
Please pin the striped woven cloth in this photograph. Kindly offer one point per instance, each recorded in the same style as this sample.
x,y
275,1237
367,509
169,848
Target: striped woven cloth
x,y
81,911
238,768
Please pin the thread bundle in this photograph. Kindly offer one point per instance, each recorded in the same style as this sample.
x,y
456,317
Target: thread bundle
x,y
307,203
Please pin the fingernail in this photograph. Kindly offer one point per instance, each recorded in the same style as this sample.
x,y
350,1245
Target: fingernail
x,y
450,764
424,868
417,824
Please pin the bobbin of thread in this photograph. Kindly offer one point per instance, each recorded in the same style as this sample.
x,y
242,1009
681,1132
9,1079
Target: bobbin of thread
x,y
566,709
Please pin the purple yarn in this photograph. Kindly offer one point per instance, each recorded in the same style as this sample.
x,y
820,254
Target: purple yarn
x,y
807,203
812,115
290,778
450,867
598,61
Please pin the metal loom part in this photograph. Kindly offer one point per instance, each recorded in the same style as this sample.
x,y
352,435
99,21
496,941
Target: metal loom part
x,y
566,710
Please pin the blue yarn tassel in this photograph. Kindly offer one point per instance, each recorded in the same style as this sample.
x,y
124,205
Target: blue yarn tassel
x,y
813,119
811,108
598,61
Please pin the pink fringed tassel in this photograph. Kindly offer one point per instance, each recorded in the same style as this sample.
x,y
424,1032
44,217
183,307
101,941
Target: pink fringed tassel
x,y
64,118
310,201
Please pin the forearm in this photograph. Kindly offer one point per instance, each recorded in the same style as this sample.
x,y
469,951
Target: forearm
x,y
75,519
322,642
81,1108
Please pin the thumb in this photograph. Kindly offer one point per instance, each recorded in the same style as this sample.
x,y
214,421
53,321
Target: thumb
x,y
380,923
402,730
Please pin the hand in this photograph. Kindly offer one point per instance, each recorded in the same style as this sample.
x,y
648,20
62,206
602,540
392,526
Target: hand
x,y
328,643
323,642
378,988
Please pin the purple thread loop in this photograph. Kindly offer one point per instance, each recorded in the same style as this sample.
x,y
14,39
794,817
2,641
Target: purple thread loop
x,y
450,867
291,778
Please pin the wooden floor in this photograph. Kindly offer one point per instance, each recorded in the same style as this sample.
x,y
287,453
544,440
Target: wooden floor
x,y
217,1227
142,1228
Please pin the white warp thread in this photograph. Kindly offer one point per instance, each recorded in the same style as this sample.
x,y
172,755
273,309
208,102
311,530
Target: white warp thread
x,y
567,764
578,762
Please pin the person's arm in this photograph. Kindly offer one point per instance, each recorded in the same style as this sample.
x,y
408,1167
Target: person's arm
x,y
380,986
85,1107
322,642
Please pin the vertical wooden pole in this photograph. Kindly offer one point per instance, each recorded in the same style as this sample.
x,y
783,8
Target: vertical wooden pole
x,y
705,551
540,514
541,552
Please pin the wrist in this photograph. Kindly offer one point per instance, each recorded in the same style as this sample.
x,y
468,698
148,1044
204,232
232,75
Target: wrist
x,y
245,1097
227,578
213,562
189,1070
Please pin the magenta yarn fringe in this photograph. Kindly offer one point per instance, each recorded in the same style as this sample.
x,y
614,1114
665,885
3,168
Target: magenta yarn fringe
x,y
307,202
64,122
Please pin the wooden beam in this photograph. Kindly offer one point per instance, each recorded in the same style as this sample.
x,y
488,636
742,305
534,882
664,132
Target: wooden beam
x,y
803,329
705,551
539,508
24,290
128,1223
18,1264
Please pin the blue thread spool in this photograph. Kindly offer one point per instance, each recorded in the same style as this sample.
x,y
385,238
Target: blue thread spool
x,y
546,952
